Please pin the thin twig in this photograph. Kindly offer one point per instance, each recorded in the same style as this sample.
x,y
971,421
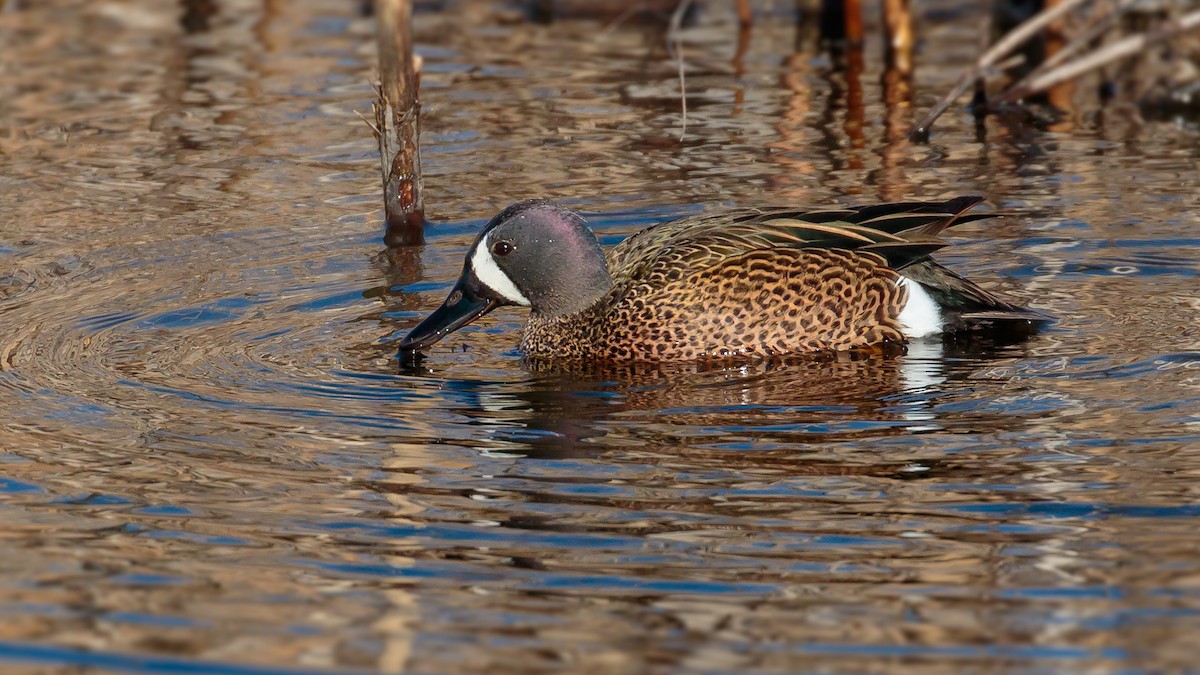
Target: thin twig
x,y
1011,40
1084,37
675,42
1101,57
1000,68
374,128
621,19
1091,32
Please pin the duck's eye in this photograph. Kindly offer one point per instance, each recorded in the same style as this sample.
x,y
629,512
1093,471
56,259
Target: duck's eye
x,y
502,247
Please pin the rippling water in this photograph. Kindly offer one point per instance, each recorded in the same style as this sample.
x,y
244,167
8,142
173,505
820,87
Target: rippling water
x,y
210,454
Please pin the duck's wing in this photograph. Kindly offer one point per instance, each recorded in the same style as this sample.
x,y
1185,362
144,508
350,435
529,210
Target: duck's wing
x,y
901,233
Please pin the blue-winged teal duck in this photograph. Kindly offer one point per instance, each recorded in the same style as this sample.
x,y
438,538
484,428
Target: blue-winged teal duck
x,y
753,282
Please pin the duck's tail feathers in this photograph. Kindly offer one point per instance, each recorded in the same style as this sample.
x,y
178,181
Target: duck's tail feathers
x,y
917,219
1015,314
953,212
964,303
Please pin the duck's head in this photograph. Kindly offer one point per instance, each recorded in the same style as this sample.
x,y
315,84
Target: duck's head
x,y
535,253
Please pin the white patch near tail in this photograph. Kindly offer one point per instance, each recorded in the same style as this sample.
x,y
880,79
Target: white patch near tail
x,y
921,315
492,276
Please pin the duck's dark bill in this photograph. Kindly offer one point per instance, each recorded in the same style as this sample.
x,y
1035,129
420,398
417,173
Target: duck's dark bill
x,y
461,307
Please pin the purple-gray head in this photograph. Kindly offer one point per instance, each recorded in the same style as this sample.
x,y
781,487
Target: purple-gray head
x,y
535,253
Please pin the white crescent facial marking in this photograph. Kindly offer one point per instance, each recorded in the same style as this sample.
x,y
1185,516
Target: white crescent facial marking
x,y
921,315
488,272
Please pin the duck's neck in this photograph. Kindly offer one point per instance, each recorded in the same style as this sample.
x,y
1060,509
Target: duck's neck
x,y
578,293
568,326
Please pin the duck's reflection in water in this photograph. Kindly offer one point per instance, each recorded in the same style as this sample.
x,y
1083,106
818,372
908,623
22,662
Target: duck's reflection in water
x,y
577,410
750,405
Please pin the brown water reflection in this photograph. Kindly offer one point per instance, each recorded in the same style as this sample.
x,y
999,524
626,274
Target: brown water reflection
x,y
210,454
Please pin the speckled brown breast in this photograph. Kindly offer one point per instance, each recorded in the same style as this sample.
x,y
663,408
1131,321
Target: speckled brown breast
x,y
764,302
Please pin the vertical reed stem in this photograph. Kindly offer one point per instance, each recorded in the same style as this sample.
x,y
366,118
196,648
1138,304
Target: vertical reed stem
x,y
398,124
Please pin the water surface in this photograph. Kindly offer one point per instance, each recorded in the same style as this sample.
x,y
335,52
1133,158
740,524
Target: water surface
x,y
210,454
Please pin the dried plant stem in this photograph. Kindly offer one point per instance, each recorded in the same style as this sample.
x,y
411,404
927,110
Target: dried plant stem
x,y
852,20
676,45
744,14
1013,39
397,124
374,129
1106,19
897,17
1101,57
620,20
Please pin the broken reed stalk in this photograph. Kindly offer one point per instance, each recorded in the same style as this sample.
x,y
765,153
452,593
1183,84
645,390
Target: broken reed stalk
x,y
397,124
1101,57
1013,39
